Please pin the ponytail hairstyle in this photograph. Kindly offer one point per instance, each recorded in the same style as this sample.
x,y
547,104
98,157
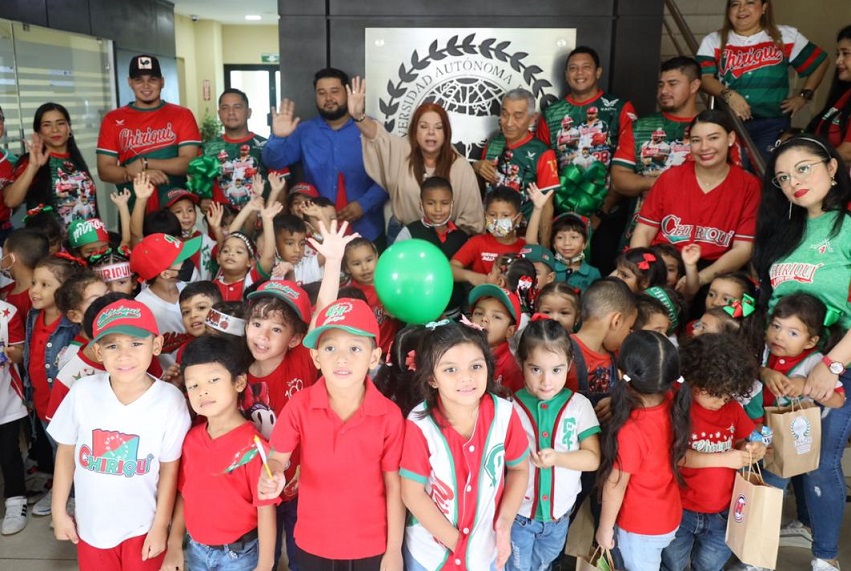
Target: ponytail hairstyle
x,y
521,279
435,342
547,334
395,379
647,266
651,366
41,189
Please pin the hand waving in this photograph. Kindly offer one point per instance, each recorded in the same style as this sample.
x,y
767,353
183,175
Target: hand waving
x,y
334,240
283,121
357,97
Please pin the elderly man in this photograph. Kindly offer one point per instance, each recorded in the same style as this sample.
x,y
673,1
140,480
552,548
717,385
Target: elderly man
x,y
515,158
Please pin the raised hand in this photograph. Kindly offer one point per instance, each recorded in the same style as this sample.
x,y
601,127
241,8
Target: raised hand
x,y
122,197
271,210
277,182
538,198
257,185
357,97
38,152
334,240
283,121
691,254
214,215
142,185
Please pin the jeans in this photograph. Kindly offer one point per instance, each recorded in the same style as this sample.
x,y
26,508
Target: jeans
x,y
700,541
200,557
639,552
536,544
824,487
285,518
764,133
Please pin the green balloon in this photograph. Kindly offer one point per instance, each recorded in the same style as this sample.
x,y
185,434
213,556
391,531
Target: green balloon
x,y
413,280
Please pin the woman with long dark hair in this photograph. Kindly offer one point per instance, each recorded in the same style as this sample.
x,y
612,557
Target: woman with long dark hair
x,y
834,121
803,245
53,173
746,63
706,201
401,164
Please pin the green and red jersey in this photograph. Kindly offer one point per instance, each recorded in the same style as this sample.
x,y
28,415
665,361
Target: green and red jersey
x,y
240,160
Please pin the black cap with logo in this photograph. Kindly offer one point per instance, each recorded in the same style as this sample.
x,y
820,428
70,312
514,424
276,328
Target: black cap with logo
x,y
145,65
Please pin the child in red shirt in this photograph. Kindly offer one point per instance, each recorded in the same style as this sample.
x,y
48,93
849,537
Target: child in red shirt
x,y
219,460
497,311
22,250
474,261
643,446
717,447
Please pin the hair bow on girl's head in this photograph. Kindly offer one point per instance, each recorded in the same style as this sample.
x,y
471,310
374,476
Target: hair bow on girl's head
x,y
525,282
435,324
468,323
739,309
831,316
540,316
645,263
37,210
66,256
411,360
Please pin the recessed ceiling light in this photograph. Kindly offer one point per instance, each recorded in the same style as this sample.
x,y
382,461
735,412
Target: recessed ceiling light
x,y
253,17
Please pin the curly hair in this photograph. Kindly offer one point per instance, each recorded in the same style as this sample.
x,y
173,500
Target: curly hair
x,y
718,364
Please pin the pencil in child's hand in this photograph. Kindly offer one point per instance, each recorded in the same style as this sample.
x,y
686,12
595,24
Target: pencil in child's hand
x,y
262,453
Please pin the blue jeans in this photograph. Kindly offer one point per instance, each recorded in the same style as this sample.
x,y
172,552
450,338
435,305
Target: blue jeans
x,y
200,557
285,518
639,552
536,544
764,133
824,487
700,540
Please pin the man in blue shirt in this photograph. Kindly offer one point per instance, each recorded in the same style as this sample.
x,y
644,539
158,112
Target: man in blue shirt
x,y
329,148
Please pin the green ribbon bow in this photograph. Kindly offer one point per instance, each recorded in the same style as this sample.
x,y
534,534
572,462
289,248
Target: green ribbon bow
x,y
831,316
202,172
739,309
582,190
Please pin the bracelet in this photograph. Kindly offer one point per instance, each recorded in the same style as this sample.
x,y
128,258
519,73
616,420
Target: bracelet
x,y
362,117
145,163
807,94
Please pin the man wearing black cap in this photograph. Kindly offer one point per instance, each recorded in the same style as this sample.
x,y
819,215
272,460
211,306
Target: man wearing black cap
x,y
148,134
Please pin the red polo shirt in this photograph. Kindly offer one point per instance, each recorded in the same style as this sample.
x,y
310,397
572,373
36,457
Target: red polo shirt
x,y
38,375
342,507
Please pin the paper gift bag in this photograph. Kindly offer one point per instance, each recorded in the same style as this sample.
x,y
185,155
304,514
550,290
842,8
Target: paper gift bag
x,y
796,440
580,534
753,525
600,560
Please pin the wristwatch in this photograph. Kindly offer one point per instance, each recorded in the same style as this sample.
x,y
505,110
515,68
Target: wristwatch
x,y
807,94
834,367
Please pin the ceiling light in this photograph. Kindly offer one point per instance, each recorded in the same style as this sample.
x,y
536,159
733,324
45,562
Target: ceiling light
x,y
253,17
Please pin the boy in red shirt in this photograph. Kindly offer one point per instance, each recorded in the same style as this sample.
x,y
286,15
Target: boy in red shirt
x,y
497,311
717,448
22,250
474,261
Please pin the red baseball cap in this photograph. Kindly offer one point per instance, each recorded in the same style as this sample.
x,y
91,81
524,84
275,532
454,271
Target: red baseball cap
x,y
352,315
158,252
289,292
176,194
508,299
125,317
305,188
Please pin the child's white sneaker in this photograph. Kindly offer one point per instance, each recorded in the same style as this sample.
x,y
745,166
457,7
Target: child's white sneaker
x,y
16,515
42,507
822,565
795,534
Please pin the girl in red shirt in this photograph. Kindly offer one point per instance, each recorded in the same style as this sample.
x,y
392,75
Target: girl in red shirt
x,y
645,442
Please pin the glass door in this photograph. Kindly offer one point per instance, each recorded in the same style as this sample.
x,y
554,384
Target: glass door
x,y
261,83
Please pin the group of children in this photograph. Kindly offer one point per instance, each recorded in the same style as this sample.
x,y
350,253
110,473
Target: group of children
x,y
541,385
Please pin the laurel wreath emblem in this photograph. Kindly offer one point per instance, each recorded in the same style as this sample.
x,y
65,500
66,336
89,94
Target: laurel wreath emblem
x,y
487,49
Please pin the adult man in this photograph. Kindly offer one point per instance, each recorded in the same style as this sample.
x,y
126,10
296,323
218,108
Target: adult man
x,y
516,158
238,150
329,148
594,120
652,144
148,134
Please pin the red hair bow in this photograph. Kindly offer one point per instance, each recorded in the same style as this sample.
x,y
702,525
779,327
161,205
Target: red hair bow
x,y
645,263
540,316
411,360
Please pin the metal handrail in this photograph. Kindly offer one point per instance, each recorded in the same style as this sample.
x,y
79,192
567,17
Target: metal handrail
x,y
757,162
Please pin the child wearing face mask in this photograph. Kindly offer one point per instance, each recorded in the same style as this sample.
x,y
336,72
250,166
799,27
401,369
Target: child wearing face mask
x,y
474,261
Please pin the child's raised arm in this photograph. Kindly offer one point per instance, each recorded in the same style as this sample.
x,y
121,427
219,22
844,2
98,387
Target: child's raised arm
x,y
332,248
613,493
214,221
277,184
155,540
691,281
121,199
64,527
536,221
266,256
144,189
254,205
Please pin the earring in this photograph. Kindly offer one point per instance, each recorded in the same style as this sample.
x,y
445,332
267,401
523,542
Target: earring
x,y
832,181
790,210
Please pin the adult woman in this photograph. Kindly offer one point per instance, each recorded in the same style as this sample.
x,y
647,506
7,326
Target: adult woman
x,y
803,244
7,166
746,64
54,172
705,201
400,164
832,122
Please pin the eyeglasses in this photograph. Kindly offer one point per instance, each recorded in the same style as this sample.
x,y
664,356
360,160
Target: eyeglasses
x,y
802,172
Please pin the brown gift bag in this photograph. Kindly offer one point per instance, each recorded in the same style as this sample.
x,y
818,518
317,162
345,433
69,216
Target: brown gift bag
x,y
600,560
796,438
753,524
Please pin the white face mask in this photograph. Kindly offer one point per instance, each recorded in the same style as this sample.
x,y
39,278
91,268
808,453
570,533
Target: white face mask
x,y
501,227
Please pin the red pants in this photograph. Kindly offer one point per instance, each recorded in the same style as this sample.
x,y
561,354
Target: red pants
x,y
126,556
